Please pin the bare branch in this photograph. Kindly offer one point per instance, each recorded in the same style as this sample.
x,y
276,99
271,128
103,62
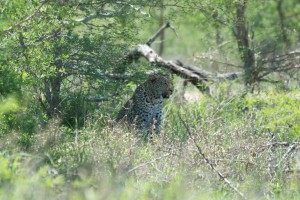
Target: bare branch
x,y
277,144
278,63
283,57
160,30
283,68
208,162
208,75
290,149
195,75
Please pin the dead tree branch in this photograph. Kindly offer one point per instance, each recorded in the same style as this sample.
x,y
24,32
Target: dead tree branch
x,y
153,58
280,63
153,38
271,144
290,149
208,76
208,162
198,77
276,144
159,32
195,75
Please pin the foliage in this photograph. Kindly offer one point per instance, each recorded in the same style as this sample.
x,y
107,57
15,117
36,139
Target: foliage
x,y
56,56
278,112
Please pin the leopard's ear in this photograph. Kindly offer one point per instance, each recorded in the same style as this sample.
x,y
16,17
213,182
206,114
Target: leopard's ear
x,y
153,77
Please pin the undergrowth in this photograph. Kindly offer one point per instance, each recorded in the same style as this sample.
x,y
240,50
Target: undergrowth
x,y
252,141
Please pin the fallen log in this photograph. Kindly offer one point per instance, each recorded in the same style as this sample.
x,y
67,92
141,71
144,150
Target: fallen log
x,y
195,75
149,54
198,77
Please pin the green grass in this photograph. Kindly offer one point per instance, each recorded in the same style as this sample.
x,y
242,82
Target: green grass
x,y
105,162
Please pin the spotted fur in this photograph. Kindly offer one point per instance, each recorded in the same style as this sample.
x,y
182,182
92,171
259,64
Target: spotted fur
x,y
144,108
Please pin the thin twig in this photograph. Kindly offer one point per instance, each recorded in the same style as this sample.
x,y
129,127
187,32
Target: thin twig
x,y
283,143
281,58
208,162
147,163
278,144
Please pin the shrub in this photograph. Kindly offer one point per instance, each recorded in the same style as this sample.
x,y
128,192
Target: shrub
x,y
278,112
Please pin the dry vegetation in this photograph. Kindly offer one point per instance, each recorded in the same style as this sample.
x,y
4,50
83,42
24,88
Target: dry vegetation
x,y
213,149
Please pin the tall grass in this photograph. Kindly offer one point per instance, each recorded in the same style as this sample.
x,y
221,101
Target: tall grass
x,y
234,134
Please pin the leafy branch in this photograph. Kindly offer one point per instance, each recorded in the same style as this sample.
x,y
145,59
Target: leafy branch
x,y
17,25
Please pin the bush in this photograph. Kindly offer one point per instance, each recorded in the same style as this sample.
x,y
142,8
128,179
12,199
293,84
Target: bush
x,y
277,112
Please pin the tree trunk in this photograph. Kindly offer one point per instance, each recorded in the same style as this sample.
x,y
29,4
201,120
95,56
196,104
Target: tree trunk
x,y
52,91
246,53
162,35
281,14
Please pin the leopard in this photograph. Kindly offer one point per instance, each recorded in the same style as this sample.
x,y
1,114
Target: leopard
x,y
144,110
